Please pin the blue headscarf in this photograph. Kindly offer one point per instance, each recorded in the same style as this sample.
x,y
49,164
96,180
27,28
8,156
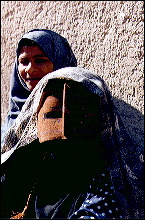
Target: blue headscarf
x,y
59,52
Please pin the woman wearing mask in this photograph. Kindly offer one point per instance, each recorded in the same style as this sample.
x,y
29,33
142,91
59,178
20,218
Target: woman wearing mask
x,y
67,155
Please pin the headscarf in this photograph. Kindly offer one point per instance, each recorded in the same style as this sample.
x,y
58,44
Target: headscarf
x,y
125,158
58,51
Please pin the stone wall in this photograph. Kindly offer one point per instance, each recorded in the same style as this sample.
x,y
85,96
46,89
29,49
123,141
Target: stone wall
x,y
106,36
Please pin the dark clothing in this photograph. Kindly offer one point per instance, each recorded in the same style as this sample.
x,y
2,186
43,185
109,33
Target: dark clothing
x,y
64,179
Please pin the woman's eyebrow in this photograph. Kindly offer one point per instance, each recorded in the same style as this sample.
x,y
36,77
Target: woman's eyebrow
x,y
36,56
40,55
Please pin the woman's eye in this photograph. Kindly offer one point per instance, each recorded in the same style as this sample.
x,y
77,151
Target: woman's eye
x,y
24,62
51,115
39,61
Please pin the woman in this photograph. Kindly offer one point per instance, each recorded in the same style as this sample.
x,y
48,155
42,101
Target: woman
x,y
39,52
92,170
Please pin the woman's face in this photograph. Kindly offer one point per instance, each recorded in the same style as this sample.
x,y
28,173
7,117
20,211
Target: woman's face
x,y
33,65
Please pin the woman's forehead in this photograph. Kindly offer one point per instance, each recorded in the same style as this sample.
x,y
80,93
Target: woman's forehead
x,y
33,51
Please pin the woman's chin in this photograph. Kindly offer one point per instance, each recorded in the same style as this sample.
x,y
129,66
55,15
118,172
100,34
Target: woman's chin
x,y
31,85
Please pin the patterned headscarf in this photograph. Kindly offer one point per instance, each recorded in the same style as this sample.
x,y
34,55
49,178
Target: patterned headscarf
x,y
59,52
125,159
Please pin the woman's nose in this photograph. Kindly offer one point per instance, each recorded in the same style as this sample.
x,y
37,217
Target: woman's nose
x,y
31,68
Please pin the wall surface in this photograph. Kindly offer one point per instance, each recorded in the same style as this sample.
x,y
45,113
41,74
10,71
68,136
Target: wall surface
x,y
106,36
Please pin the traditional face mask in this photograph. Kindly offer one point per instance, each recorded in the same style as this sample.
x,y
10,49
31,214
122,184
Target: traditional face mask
x,y
68,114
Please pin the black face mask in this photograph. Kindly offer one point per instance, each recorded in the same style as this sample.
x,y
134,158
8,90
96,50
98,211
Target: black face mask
x,y
68,111
69,130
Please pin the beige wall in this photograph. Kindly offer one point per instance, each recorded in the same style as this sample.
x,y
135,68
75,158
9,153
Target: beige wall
x,y
106,37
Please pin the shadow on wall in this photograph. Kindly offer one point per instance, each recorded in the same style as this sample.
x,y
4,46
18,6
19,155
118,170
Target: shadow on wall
x,y
133,121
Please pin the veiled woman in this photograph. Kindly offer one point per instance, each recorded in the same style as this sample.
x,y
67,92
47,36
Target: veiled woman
x,y
67,155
